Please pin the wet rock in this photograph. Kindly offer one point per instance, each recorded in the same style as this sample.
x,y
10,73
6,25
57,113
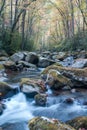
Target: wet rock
x,y
59,56
31,87
1,66
10,65
77,76
3,58
17,57
2,107
69,100
46,54
43,123
57,81
68,61
44,62
79,123
32,57
40,99
27,65
5,89
80,63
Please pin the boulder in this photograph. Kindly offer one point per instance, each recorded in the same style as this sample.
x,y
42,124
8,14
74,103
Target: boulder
x,y
17,57
2,107
56,80
59,56
27,65
46,54
32,57
10,65
40,99
44,62
3,58
5,89
31,87
77,76
79,123
43,123
80,63
69,100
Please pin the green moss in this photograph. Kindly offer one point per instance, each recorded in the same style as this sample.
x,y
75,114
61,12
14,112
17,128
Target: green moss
x,y
76,71
1,67
38,123
79,122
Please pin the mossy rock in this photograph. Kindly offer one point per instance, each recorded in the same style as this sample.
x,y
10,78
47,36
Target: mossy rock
x,y
76,71
77,76
1,67
4,88
40,99
42,123
79,122
56,80
31,86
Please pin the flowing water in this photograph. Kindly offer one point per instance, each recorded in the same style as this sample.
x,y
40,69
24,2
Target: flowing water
x,y
22,109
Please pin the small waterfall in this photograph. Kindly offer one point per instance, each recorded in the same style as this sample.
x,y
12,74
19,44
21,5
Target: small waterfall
x,y
49,91
17,109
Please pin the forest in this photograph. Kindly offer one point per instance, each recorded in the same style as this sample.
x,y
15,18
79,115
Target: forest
x,y
43,24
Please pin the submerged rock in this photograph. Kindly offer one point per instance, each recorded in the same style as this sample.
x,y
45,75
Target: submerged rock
x,y
43,123
79,123
40,99
69,100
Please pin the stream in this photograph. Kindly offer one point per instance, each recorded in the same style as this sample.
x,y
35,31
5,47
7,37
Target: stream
x,y
20,109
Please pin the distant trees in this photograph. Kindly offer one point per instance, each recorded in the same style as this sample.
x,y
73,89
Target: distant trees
x,y
25,24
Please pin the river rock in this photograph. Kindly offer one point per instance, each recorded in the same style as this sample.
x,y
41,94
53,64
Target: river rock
x,y
46,54
80,63
77,76
79,123
40,99
3,58
43,123
56,80
27,65
32,57
5,89
59,56
31,87
17,56
44,62
69,100
10,65
2,107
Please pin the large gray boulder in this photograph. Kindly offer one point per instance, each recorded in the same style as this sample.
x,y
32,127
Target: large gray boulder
x,y
80,63
32,57
17,56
